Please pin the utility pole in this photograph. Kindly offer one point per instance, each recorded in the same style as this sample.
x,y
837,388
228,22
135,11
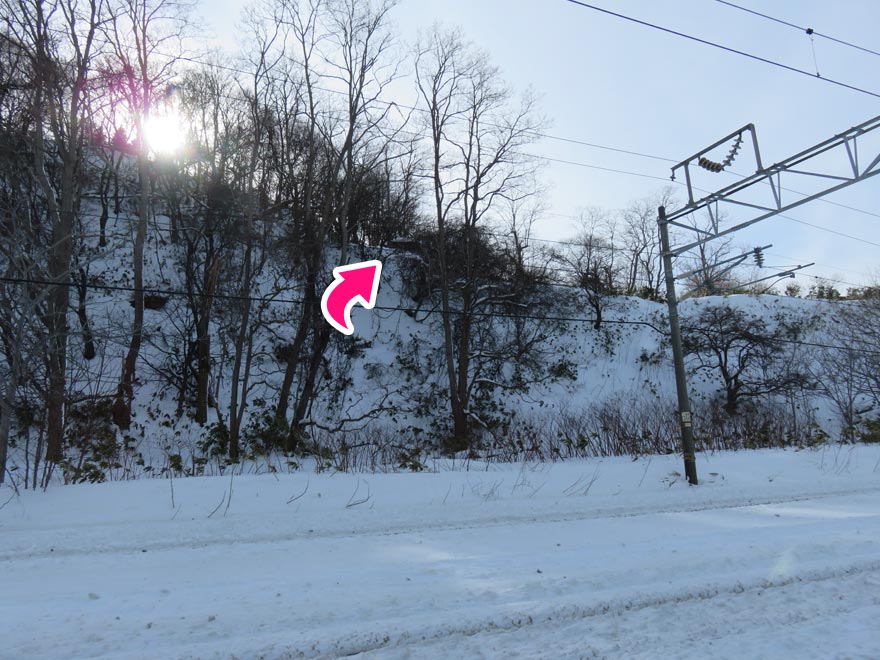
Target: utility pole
x,y
858,159
684,404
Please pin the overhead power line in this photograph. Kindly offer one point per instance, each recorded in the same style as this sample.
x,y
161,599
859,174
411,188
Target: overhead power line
x,y
413,310
404,106
600,146
840,268
537,134
820,278
575,243
714,44
300,301
830,231
810,224
571,243
598,167
540,134
809,31
413,108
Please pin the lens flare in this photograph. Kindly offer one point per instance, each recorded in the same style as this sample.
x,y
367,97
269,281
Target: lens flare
x,y
165,134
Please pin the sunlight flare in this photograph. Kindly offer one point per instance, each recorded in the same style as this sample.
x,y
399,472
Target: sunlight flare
x,y
164,133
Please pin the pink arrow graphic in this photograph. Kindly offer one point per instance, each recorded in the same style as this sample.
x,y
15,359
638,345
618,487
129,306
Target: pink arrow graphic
x,y
355,283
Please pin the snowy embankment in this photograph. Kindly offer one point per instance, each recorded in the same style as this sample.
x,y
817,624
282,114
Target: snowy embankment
x,y
776,554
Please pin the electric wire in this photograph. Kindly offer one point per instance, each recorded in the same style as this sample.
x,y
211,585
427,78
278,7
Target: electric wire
x,y
300,301
598,167
569,243
814,226
809,31
537,134
830,231
540,134
659,178
411,310
820,278
785,256
706,42
413,108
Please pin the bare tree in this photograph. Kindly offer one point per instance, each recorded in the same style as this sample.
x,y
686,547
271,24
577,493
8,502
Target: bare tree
x,y
848,373
303,21
836,372
592,262
264,60
59,40
711,276
22,344
475,133
146,36
641,244
750,354
528,346
348,43
863,320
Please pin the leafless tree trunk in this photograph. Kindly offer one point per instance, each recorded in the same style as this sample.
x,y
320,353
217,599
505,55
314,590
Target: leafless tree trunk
x,y
304,24
849,375
475,135
138,31
836,373
203,302
360,49
59,96
267,58
863,319
14,345
711,277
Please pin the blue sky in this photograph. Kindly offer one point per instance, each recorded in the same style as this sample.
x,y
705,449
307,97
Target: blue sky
x,y
611,82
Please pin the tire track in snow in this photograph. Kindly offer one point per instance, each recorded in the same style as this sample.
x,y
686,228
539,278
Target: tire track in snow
x,y
531,518
459,624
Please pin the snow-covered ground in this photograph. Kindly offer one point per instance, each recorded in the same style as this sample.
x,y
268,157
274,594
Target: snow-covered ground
x,y
775,555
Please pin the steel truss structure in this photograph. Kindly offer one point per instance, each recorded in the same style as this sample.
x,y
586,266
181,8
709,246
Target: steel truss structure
x,y
836,163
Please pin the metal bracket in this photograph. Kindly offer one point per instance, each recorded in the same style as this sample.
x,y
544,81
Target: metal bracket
x,y
760,195
701,159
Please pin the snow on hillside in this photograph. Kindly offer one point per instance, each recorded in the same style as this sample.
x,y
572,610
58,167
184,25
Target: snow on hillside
x,y
627,365
775,555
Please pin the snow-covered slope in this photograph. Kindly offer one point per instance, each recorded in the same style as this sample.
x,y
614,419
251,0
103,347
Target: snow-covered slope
x,y
388,380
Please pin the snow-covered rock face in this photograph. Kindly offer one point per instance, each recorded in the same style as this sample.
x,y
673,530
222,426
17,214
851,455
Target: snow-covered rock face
x,y
567,389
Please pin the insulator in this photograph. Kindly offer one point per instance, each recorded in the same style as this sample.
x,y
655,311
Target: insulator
x,y
734,150
716,167
759,257
710,165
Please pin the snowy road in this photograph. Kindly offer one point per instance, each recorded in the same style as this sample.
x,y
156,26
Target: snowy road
x,y
509,563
